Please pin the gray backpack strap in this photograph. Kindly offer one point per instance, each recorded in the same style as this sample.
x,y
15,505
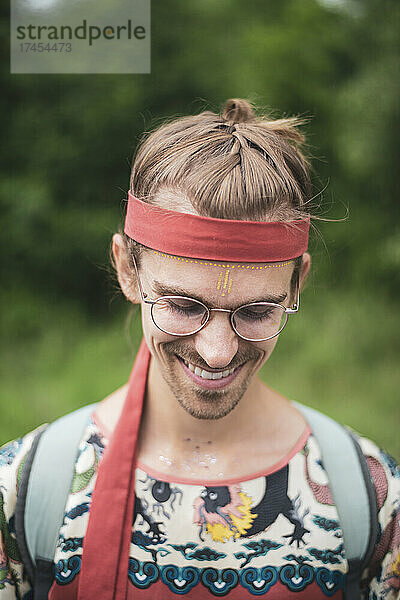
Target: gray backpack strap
x,y
352,490
29,566
43,491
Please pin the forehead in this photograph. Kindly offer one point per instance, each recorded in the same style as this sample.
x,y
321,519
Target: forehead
x,y
214,279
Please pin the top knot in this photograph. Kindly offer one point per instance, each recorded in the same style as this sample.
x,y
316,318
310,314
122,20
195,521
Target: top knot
x,y
237,110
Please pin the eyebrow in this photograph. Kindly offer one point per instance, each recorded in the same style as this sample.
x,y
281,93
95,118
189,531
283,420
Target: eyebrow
x,y
166,290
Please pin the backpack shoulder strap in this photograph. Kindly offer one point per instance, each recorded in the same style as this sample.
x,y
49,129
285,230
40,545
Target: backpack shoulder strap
x,y
43,491
22,488
352,490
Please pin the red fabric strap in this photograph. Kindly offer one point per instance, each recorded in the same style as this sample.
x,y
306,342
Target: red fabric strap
x,y
104,573
182,234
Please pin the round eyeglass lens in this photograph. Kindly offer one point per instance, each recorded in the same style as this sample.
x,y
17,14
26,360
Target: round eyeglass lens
x,y
259,320
179,315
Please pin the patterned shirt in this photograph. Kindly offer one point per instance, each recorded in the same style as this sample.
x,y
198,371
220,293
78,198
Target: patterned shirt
x,y
273,533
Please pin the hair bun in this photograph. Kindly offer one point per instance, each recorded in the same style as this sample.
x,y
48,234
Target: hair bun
x,y
237,110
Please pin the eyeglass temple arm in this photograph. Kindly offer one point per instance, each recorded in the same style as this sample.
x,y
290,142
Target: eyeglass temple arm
x,y
142,293
296,306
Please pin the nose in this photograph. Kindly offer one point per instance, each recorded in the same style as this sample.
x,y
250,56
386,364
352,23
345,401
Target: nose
x,y
217,343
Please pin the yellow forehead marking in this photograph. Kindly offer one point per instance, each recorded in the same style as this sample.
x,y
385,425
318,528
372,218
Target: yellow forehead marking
x,y
228,266
224,282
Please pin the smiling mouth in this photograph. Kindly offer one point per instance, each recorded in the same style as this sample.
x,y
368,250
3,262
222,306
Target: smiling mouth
x,y
211,380
208,374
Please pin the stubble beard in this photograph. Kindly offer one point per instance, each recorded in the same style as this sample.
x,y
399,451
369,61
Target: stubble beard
x,y
199,402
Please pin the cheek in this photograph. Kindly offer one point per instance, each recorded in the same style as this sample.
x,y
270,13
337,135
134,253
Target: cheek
x,y
147,323
267,349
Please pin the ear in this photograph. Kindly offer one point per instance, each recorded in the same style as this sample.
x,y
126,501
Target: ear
x,y
125,273
305,269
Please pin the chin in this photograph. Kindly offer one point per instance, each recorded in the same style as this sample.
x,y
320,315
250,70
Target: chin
x,y
208,404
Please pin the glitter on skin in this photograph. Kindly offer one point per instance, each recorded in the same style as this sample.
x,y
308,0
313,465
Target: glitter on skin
x,y
190,461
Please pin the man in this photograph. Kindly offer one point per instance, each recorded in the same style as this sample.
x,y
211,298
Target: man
x,y
196,478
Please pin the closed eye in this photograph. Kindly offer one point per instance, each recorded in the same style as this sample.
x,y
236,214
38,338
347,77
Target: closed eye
x,y
258,312
181,306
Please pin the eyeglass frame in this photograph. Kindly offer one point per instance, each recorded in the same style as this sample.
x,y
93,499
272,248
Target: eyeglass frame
x,y
287,311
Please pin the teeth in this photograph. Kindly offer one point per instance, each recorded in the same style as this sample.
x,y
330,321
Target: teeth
x,y
207,374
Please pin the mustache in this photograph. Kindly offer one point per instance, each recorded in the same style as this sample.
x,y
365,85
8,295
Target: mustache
x,y
242,356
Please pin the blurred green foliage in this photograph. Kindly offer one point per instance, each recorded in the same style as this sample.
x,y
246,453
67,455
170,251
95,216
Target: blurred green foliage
x,y
65,159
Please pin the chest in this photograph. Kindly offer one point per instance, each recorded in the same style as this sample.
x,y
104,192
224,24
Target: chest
x,y
276,533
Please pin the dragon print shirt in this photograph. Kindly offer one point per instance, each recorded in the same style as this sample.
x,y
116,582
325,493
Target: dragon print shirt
x,y
273,533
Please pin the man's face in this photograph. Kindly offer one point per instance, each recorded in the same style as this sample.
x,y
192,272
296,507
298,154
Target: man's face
x,y
190,364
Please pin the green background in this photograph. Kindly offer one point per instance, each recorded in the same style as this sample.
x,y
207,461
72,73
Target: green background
x,y
67,338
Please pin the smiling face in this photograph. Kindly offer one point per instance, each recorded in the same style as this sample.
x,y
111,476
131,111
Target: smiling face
x,y
208,372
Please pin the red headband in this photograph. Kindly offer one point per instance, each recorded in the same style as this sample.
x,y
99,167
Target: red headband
x,y
182,234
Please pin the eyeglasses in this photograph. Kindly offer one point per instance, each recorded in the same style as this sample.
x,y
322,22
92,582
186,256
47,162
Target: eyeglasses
x,y
253,322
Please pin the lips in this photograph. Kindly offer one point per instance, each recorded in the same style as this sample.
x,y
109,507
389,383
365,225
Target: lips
x,y
209,379
208,374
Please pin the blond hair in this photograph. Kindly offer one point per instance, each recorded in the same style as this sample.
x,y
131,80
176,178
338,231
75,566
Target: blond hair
x,y
233,165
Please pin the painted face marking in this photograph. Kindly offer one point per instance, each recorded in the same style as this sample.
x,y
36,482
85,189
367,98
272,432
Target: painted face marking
x,y
224,282
220,276
224,279
205,263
